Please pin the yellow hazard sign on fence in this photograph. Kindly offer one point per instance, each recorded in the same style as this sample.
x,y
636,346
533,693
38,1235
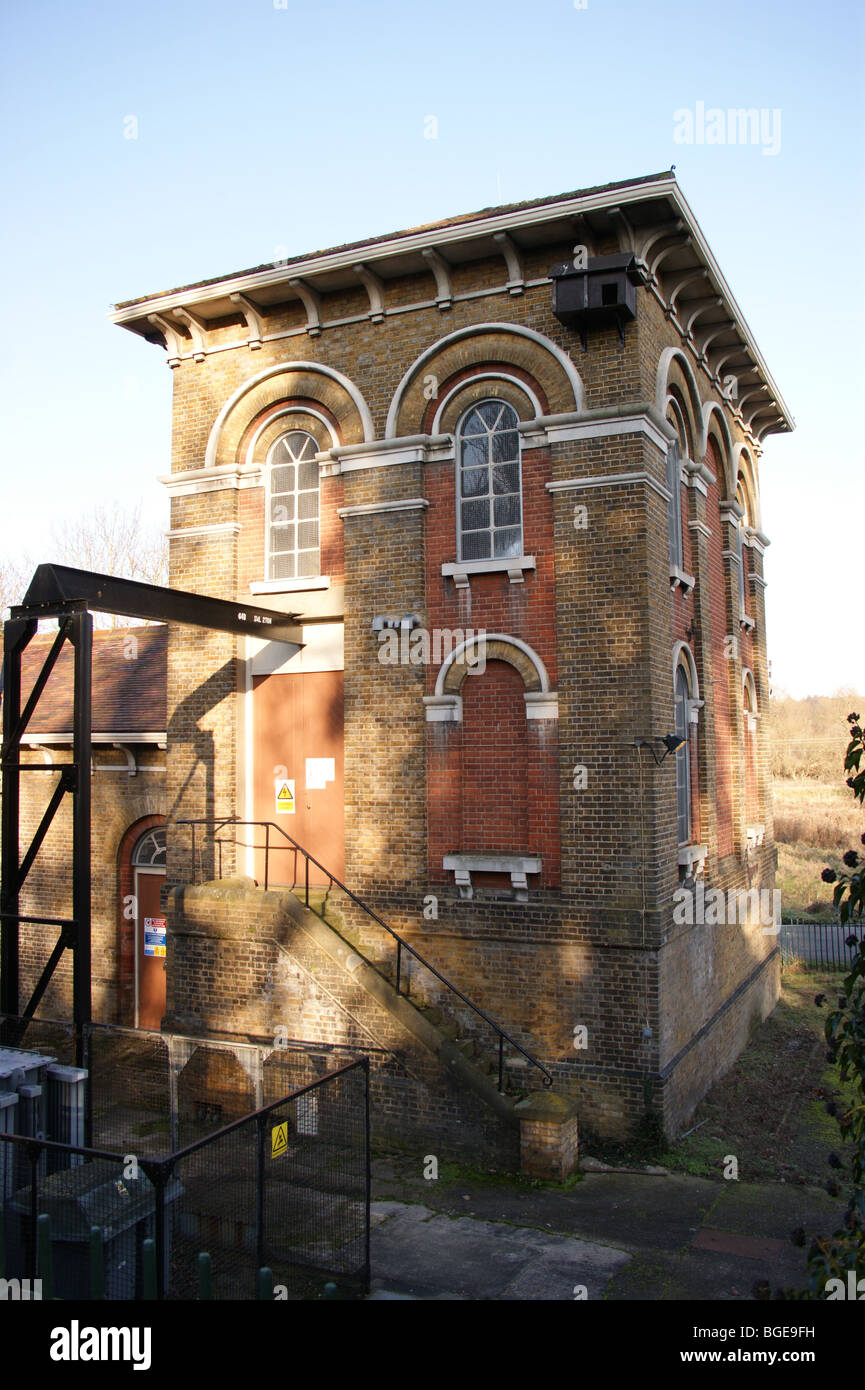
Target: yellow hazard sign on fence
x,y
284,792
279,1140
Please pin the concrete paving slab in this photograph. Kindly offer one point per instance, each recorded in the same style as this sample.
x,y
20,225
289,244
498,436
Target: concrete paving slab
x,y
630,1210
425,1254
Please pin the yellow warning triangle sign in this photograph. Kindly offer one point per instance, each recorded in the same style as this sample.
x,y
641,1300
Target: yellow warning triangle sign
x,y
279,1139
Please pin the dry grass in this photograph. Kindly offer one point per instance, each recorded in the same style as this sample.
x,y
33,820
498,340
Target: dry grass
x,y
814,814
814,824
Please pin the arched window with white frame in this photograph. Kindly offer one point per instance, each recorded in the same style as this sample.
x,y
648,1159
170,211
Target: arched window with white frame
x,y
683,756
676,451
489,489
293,507
745,521
749,715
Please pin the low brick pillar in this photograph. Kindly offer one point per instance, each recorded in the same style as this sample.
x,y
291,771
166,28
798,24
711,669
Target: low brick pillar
x,y
549,1143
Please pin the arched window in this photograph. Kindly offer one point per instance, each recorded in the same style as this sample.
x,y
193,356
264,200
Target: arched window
x,y
675,453
490,519
749,713
149,851
292,503
743,523
683,756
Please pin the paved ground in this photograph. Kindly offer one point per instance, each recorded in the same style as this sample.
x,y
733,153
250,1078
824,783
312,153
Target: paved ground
x,y
621,1235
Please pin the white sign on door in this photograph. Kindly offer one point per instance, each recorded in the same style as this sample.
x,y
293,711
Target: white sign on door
x,y
319,771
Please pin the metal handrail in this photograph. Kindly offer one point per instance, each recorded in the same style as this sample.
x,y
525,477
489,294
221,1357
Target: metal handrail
x,y
219,823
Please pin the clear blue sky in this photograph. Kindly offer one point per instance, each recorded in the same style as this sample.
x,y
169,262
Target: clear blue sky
x,y
303,127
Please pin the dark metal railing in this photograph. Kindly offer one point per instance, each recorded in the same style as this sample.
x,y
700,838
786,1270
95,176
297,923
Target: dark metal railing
x,y
819,945
216,824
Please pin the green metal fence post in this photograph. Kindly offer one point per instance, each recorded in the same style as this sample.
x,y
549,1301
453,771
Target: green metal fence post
x,y
148,1266
97,1264
205,1282
45,1265
265,1285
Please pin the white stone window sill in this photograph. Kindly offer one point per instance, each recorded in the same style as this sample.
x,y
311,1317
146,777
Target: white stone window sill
x,y
290,586
747,623
755,834
679,579
692,858
517,865
461,571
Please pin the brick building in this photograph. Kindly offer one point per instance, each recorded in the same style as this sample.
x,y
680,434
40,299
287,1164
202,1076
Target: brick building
x,y
406,442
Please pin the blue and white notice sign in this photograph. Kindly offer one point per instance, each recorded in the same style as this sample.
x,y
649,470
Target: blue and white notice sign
x,y
154,936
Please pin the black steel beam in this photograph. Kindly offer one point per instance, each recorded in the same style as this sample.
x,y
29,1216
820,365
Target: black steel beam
x,y
54,587
48,815
16,635
81,637
42,984
41,682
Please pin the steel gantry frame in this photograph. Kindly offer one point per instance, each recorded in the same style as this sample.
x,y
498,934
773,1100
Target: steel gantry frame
x,y
71,596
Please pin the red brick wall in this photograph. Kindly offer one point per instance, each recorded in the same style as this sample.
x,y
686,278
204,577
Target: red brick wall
x,y
493,790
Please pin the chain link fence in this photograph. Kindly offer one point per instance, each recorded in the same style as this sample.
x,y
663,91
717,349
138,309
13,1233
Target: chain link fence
x,y
260,1159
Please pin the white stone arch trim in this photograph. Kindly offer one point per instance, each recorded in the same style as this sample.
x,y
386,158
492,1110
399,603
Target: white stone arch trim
x,y
665,361
486,376
280,369
683,656
709,409
509,641
673,404
446,706
476,329
291,410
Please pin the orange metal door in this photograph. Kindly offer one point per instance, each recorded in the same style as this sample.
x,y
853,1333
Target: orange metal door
x,y
298,739
151,948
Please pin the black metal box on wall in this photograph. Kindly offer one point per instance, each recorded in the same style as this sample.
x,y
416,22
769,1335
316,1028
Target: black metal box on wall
x,y
601,292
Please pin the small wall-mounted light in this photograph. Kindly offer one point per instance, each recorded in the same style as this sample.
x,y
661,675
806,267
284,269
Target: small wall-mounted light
x,y
383,621
672,743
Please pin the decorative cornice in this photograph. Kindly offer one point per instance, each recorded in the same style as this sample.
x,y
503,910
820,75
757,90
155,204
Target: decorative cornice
x,y
220,528
608,480
198,480
732,511
757,540
403,504
385,453
577,425
663,208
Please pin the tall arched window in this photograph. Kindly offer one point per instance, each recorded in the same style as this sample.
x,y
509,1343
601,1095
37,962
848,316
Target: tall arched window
x,y
292,507
676,451
683,756
749,713
490,519
744,522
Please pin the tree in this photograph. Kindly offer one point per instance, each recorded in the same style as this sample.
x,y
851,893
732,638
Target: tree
x,y
111,539
14,578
